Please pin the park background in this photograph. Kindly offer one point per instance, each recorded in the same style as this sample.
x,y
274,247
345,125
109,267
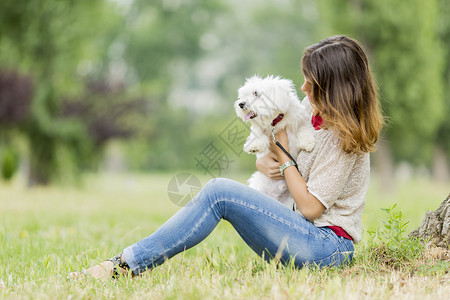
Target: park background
x,y
103,103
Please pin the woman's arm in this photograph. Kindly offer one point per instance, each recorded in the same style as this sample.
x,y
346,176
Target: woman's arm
x,y
309,206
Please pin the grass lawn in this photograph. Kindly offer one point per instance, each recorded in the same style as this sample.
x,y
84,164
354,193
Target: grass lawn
x,y
47,232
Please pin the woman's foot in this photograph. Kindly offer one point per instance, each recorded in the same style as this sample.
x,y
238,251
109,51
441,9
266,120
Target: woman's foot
x,y
103,271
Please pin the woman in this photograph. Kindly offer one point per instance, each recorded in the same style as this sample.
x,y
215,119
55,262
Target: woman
x,y
329,187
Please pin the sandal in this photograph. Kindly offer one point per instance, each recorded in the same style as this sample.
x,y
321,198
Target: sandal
x,y
119,268
119,263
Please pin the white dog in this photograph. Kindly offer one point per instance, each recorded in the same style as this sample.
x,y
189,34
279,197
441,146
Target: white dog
x,y
269,103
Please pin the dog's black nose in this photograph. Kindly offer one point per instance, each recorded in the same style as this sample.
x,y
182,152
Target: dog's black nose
x,y
241,105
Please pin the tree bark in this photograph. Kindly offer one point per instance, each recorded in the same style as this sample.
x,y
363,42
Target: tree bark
x,y
436,226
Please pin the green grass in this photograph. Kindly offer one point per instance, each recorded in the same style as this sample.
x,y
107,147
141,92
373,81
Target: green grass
x,y
45,233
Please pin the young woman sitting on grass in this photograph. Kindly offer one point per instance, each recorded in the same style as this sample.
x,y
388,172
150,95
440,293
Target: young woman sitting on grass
x,y
329,188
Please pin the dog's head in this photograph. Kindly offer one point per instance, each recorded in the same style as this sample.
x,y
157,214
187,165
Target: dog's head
x,y
261,100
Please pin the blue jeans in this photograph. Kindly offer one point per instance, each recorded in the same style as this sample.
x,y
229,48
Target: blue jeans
x,y
268,227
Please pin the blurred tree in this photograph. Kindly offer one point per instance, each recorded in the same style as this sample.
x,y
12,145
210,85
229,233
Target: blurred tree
x,y
402,42
441,161
194,45
9,162
279,33
107,112
15,99
48,40
160,40
162,32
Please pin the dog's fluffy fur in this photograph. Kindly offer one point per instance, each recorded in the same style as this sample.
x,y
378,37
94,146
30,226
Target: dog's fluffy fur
x,y
260,101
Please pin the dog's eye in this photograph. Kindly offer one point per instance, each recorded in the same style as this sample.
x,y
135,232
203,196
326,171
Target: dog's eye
x,y
255,93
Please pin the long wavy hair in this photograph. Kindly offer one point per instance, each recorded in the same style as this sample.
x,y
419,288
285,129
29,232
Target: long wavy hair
x,y
344,92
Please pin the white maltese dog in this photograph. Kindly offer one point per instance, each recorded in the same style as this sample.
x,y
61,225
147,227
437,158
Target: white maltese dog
x,y
271,103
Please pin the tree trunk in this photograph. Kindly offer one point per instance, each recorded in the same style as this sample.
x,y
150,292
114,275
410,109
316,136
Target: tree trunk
x,y
436,226
383,163
441,171
42,160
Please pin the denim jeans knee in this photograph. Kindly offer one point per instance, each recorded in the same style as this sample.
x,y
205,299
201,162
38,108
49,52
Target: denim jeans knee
x,y
266,225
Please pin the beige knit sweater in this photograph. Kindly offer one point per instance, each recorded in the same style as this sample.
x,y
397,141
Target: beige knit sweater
x,y
337,179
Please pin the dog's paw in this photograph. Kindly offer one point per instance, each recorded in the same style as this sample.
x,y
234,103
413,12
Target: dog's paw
x,y
306,140
255,146
250,149
306,145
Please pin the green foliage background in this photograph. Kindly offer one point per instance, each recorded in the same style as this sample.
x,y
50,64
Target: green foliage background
x,y
158,79
407,55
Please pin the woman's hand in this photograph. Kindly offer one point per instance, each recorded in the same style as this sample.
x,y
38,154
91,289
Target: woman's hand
x,y
269,166
270,163
282,138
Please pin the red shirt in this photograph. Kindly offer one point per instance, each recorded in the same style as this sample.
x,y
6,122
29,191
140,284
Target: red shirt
x,y
316,121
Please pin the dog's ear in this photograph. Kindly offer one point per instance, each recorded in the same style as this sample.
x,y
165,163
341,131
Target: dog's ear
x,y
290,89
283,93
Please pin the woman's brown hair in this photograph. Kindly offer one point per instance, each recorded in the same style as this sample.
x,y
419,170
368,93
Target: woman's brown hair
x,y
344,92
